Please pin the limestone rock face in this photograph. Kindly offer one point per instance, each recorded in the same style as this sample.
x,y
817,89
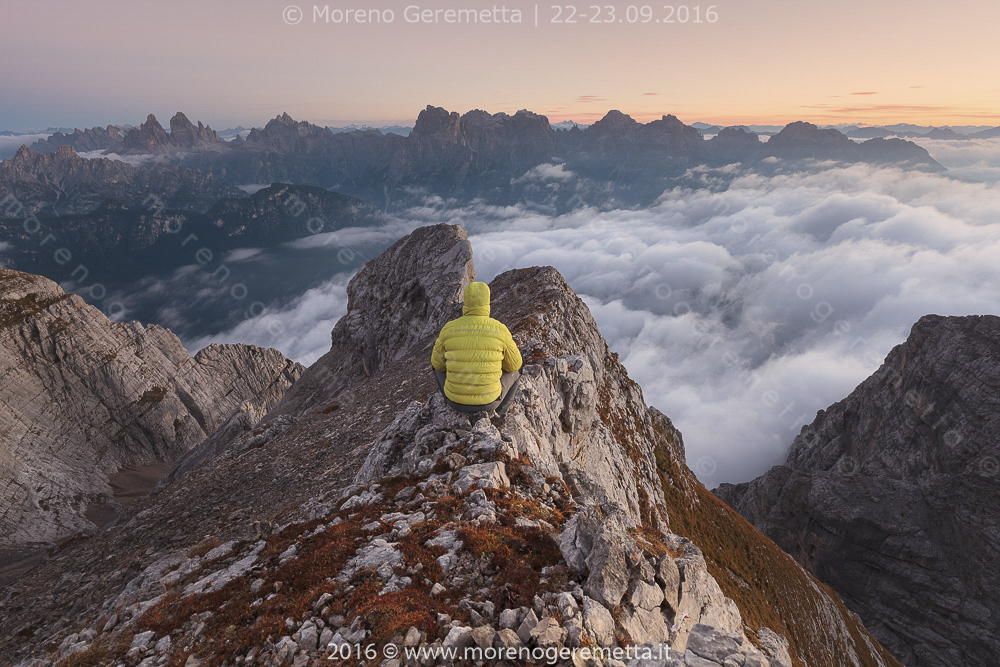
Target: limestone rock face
x,y
83,396
892,495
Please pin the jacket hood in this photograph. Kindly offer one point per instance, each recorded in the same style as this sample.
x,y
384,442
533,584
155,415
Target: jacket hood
x,y
477,299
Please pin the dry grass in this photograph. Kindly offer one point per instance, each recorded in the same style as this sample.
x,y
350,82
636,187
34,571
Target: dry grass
x,y
94,655
652,542
203,547
414,551
152,395
518,554
515,470
448,504
513,507
15,312
393,613
235,625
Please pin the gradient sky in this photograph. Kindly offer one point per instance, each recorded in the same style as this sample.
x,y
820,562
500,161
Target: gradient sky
x,y
84,63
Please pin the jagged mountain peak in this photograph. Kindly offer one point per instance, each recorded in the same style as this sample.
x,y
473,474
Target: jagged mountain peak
x,y
802,131
437,122
23,154
150,137
284,133
614,120
579,419
184,133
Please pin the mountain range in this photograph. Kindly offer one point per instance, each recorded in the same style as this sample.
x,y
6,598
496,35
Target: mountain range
x,y
481,155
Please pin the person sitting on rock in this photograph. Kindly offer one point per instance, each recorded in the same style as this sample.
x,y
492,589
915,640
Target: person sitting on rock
x,y
475,360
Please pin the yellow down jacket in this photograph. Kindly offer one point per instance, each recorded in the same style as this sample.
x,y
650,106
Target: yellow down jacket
x,y
475,350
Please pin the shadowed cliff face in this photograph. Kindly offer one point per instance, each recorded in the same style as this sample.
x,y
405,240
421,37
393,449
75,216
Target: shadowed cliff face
x,y
891,495
376,507
83,396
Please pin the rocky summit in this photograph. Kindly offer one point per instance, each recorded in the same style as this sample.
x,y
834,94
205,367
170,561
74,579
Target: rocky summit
x,y
362,512
892,495
83,397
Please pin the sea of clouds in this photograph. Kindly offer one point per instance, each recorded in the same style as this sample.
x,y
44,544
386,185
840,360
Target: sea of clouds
x,y
740,311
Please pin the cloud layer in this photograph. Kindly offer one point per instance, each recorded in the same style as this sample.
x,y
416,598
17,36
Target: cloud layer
x,y
10,143
742,312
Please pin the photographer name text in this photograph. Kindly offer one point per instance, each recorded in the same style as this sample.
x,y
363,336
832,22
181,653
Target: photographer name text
x,y
537,15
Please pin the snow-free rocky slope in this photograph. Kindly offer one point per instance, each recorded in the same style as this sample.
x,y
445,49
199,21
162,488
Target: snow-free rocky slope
x,y
362,509
83,396
892,495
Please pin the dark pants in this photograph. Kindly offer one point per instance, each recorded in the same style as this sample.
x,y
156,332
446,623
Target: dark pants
x,y
507,383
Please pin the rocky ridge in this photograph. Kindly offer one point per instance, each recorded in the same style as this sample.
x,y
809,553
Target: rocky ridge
x,y
83,141
369,512
891,496
84,396
150,137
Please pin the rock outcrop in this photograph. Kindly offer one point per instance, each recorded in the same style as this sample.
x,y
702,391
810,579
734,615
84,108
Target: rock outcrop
x,y
800,140
617,132
184,134
284,134
150,137
891,496
84,396
362,510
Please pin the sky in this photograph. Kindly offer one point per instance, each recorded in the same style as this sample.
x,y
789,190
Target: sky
x,y
79,64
